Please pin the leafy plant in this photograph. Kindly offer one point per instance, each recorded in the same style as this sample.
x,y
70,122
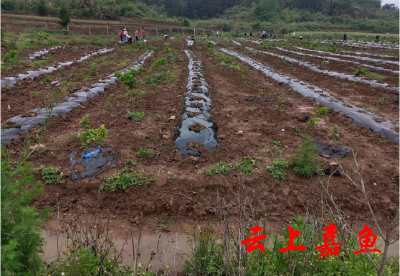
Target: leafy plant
x,y
160,62
305,159
278,153
128,78
265,124
46,78
276,143
321,112
125,178
11,55
334,134
93,69
136,116
110,100
158,115
313,121
93,135
146,153
278,169
382,101
261,93
280,101
64,15
51,175
85,122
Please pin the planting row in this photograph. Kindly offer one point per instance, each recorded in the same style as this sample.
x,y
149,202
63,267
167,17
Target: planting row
x,y
23,123
196,127
43,52
11,81
363,118
315,68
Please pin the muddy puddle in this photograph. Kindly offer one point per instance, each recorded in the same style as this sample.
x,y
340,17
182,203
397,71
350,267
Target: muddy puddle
x,y
315,68
11,81
43,52
160,248
80,96
197,126
378,61
358,116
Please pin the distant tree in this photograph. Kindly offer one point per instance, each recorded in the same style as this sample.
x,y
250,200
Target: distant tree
x,y
64,15
41,6
266,10
186,23
388,6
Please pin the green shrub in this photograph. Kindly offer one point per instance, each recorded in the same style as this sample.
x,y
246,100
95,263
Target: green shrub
x,y
121,180
186,23
64,16
278,169
51,175
42,8
136,116
85,122
93,135
160,62
10,56
21,222
321,112
305,160
146,153
313,121
128,78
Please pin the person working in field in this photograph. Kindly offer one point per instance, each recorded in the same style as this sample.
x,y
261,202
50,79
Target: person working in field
x,y
122,35
137,35
144,34
345,38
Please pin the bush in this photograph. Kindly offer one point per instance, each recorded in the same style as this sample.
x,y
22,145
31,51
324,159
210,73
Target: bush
x,y
85,122
186,23
41,6
322,111
64,16
278,169
160,62
93,136
20,221
10,56
305,160
128,78
51,175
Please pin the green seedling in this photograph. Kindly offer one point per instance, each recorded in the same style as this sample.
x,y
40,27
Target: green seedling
x,y
135,116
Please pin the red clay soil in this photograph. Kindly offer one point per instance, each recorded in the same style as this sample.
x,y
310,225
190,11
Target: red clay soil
x,y
358,94
30,94
191,195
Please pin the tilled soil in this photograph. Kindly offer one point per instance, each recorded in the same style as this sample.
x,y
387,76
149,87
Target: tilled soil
x,y
181,191
30,94
66,53
358,94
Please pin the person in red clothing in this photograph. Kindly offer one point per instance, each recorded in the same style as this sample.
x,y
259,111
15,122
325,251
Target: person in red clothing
x,y
137,35
144,34
122,35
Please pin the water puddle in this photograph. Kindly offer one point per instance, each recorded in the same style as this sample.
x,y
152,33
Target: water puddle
x,y
159,249
43,52
26,123
315,68
358,116
196,126
378,61
11,81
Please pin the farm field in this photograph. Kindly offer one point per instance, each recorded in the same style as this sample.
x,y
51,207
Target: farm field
x,y
196,131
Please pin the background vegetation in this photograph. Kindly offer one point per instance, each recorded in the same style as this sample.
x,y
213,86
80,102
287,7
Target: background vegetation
x,y
235,15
